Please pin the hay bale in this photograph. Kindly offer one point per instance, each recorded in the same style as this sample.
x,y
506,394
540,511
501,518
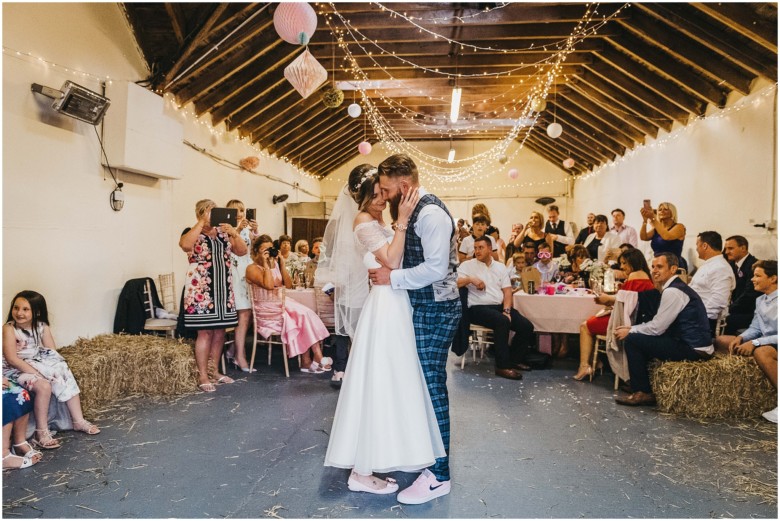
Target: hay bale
x,y
722,387
110,367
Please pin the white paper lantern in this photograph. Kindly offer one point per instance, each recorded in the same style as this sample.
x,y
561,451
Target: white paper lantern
x,y
305,73
568,162
364,148
295,22
513,173
554,130
354,110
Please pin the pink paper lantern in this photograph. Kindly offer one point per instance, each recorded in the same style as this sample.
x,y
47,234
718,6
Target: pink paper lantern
x,y
305,73
513,173
295,22
568,162
364,148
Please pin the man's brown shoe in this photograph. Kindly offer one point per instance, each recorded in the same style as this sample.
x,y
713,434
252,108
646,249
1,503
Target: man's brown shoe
x,y
638,398
511,374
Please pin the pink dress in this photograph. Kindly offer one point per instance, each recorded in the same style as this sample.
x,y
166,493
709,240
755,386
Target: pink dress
x,y
300,327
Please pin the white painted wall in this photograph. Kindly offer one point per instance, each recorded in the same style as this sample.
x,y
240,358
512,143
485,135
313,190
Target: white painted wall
x,y
508,200
60,237
720,173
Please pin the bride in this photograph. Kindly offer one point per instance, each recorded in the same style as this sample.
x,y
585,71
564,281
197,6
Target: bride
x,y
384,419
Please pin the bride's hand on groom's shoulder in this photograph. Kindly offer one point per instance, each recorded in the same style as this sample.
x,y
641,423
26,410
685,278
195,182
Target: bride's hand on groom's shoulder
x,y
379,276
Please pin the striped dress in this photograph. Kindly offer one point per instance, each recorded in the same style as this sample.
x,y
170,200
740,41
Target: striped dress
x,y
208,285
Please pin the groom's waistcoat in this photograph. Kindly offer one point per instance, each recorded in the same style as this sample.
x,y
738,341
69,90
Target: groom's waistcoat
x,y
413,256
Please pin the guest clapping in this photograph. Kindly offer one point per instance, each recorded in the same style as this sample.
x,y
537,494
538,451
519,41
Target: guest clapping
x,y
209,302
663,231
30,356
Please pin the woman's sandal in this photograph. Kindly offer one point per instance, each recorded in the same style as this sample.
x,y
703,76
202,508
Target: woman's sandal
x,y
583,372
31,453
224,379
326,363
207,387
390,487
86,427
45,440
314,368
26,462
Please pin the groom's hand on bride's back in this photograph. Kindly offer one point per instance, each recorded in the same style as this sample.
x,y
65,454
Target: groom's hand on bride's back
x,y
379,276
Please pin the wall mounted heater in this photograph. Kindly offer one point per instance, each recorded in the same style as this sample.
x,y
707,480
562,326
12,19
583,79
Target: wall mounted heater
x,y
76,101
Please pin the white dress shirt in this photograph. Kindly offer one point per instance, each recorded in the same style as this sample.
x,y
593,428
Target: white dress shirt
x,y
568,233
495,276
673,301
467,245
627,234
714,281
436,228
610,241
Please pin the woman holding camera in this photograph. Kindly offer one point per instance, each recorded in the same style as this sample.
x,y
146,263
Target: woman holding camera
x,y
663,231
303,329
209,305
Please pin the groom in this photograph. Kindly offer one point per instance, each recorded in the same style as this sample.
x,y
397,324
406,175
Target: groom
x,y
429,275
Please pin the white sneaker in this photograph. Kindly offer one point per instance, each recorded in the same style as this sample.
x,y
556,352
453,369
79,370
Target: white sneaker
x,y
771,415
425,488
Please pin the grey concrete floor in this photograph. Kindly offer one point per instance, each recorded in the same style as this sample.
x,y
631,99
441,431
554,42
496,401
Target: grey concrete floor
x,y
546,447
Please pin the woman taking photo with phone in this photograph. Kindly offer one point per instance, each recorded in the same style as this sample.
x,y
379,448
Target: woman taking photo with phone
x,y
662,230
209,304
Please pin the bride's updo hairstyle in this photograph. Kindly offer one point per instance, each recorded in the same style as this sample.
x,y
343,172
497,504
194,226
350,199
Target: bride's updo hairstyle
x,y
361,184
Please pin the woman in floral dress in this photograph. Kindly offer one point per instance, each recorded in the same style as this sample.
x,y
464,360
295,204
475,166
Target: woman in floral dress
x,y
209,305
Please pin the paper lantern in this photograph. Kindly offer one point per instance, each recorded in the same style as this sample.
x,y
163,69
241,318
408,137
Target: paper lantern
x,y
554,130
333,97
354,110
513,173
305,73
538,104
295,22
503,159
249,163
364,148
568,162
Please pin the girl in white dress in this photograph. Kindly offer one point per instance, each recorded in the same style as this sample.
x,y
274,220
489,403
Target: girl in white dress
x,y
384,419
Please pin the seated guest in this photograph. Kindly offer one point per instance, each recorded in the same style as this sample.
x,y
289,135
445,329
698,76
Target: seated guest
x,y
626,233
302,249
547,267
634,264
314,254
560,231
518,263
586,230
760,339
575,272
514,244
529,252
479,229
663,231
285,248
17,405
463,229
30,355
714,280
601,242
679,330
743,298
305,331
490,305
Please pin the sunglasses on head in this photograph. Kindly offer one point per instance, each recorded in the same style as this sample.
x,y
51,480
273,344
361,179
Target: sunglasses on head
x,y
544,254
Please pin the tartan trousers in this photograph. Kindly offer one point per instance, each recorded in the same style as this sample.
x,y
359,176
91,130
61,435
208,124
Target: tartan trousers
x,y
435,324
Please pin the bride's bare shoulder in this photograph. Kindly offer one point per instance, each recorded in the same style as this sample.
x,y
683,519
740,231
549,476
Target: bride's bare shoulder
x,y
362,217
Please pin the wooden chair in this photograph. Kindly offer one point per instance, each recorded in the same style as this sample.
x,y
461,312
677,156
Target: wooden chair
x,y
167,283
479,339
168,326
270,316
600,347
325,309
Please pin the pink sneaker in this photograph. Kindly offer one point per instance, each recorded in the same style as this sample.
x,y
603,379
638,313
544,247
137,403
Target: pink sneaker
x,y
425,488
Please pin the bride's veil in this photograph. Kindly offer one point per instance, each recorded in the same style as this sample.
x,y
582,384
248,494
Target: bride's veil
x,y
341,263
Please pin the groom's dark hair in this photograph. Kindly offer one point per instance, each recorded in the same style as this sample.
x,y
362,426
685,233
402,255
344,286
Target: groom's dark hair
x,y
399,165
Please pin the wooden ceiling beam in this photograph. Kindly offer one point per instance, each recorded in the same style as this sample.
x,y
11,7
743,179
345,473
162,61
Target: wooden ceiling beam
x,y
689,52
571,123
602,114
595,125
575,139
197,40
652,81
551,156
639,91
260,122
665,65
464,62
333,146
745,21
341,154
443,48
279,98
176,22
420,74
303,122
293,146
568,142
713,37
588,97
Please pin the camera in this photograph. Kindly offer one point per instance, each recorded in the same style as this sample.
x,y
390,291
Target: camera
x,y
273,252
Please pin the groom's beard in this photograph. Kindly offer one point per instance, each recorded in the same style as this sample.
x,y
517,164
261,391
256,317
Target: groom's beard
x,y
394,203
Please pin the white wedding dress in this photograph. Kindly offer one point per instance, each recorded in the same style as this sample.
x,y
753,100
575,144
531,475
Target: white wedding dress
x,y
384,419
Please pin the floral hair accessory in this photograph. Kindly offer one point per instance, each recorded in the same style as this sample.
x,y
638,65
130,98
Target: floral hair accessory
x,y
368,175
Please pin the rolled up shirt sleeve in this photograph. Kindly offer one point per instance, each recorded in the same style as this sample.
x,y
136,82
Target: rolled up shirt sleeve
x,y
435,228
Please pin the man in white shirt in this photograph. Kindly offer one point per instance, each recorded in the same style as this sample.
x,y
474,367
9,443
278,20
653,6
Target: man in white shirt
x,y
490,305
714,280
626,233
562,234
679,331
478,229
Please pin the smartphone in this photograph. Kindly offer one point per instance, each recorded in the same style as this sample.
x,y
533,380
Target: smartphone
x,y
250,214
647,204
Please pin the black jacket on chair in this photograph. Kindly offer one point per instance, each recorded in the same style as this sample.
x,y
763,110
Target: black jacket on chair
x,y
130,311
